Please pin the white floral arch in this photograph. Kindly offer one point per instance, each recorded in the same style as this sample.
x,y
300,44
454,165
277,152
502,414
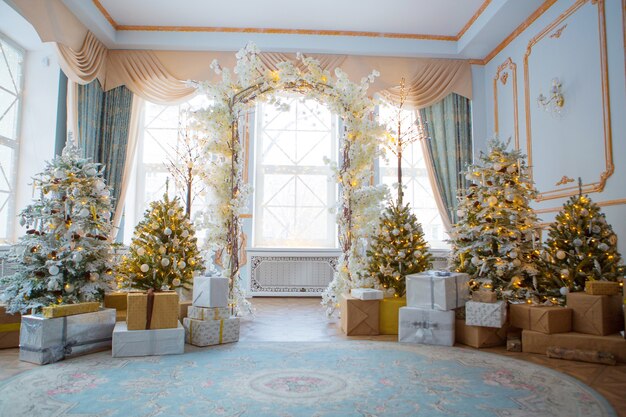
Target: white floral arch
x,y
359,204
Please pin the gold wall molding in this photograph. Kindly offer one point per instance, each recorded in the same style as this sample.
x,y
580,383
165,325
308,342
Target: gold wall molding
x,y
502,74
593,187
557,33
616,202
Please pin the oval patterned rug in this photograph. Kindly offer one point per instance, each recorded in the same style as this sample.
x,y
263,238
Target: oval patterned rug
x,y
353,378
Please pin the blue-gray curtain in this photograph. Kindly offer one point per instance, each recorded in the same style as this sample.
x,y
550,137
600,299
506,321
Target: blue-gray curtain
x,y
103,120
449,124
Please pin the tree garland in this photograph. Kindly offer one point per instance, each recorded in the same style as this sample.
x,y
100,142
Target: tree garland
x,y
359,205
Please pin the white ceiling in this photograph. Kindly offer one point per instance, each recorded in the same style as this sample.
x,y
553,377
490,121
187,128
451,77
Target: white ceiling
x,y
430,17
195,25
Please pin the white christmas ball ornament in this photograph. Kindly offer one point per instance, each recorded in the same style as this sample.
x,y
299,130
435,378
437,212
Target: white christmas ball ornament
x,y
475,260
185,233
167,231
560,255
603,247
53,270
395,232
492,201
417,254
516,263
84,212
512,254
106,215
460,213
162,250
176,282
76,192
69,287
59,173
584,212
564,290
93,276
144,268
53,285
165,261
577,242
565,272
99,185
141,252
91,171
497,166
182,265
77,257
170,212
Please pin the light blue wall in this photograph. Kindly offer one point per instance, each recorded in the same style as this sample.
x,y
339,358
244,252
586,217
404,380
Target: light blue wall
x,y
572,144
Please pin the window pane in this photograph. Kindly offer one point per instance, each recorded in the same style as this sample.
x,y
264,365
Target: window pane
x,y
418,191
294,190
7,155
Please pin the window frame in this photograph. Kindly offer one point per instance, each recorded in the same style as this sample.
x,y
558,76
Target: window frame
x,y
14,144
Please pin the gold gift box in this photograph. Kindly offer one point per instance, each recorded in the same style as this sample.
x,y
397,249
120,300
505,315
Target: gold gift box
x,y
389,312
64,310
602,287
116,300
164,311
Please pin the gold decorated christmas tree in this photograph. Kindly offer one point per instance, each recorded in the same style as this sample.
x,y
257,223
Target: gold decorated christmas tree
x,y
164,252
581,246
494,239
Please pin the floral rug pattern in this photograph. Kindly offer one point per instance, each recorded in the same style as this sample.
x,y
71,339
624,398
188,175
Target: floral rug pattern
x,y
366,379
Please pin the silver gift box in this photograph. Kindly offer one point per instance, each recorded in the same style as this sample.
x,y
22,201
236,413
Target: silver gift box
x,y
485,314
45,341
437,290
211,332
426,326
128,343
210,292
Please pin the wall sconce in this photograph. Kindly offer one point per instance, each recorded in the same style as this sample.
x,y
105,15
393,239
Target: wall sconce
x,y
556,101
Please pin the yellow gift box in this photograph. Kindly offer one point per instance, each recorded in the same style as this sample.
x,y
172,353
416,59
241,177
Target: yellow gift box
x,y
389,311
64,310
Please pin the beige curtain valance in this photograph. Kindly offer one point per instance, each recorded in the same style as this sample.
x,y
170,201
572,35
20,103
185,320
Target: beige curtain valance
x,y
160,76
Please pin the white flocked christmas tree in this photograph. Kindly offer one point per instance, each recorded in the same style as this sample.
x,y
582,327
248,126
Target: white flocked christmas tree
x,y
65,256
494,239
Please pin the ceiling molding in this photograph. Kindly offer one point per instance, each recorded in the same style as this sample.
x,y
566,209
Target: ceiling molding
x,y
274,31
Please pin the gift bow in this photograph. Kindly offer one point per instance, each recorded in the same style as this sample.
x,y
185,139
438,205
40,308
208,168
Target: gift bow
x,y
424,329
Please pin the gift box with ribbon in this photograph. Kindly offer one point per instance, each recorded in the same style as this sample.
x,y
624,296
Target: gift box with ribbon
x,y
152,310
426,326
210,292
208,313
485,314
211,332
118,301
437,290
45,340
9,329
127,343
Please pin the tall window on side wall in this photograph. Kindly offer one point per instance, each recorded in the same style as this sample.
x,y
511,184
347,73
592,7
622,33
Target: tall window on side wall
x,y
294,192
418,191
160,141
11,74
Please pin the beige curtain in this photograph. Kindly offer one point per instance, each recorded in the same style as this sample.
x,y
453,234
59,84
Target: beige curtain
x,y
160,76
327,62
133,132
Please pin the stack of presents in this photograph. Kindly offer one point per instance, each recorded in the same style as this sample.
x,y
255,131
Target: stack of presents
x,y
439,310
130,323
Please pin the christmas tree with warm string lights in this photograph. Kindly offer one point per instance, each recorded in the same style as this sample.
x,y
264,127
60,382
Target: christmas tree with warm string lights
x,y
163,253
581,246
494,239
65,256
399,248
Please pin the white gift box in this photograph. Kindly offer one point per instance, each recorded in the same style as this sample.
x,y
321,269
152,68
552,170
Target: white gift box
x,y
485,314
426,326
208,313
210,292
147,342
367,294
211,332
45,341
437,290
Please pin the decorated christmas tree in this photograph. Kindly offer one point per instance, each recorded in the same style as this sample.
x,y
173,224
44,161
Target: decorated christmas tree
x,y
494,239
163,253
399,248
581,246
65,256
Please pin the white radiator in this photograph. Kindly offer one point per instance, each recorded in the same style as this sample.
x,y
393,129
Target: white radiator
x,y
302,274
